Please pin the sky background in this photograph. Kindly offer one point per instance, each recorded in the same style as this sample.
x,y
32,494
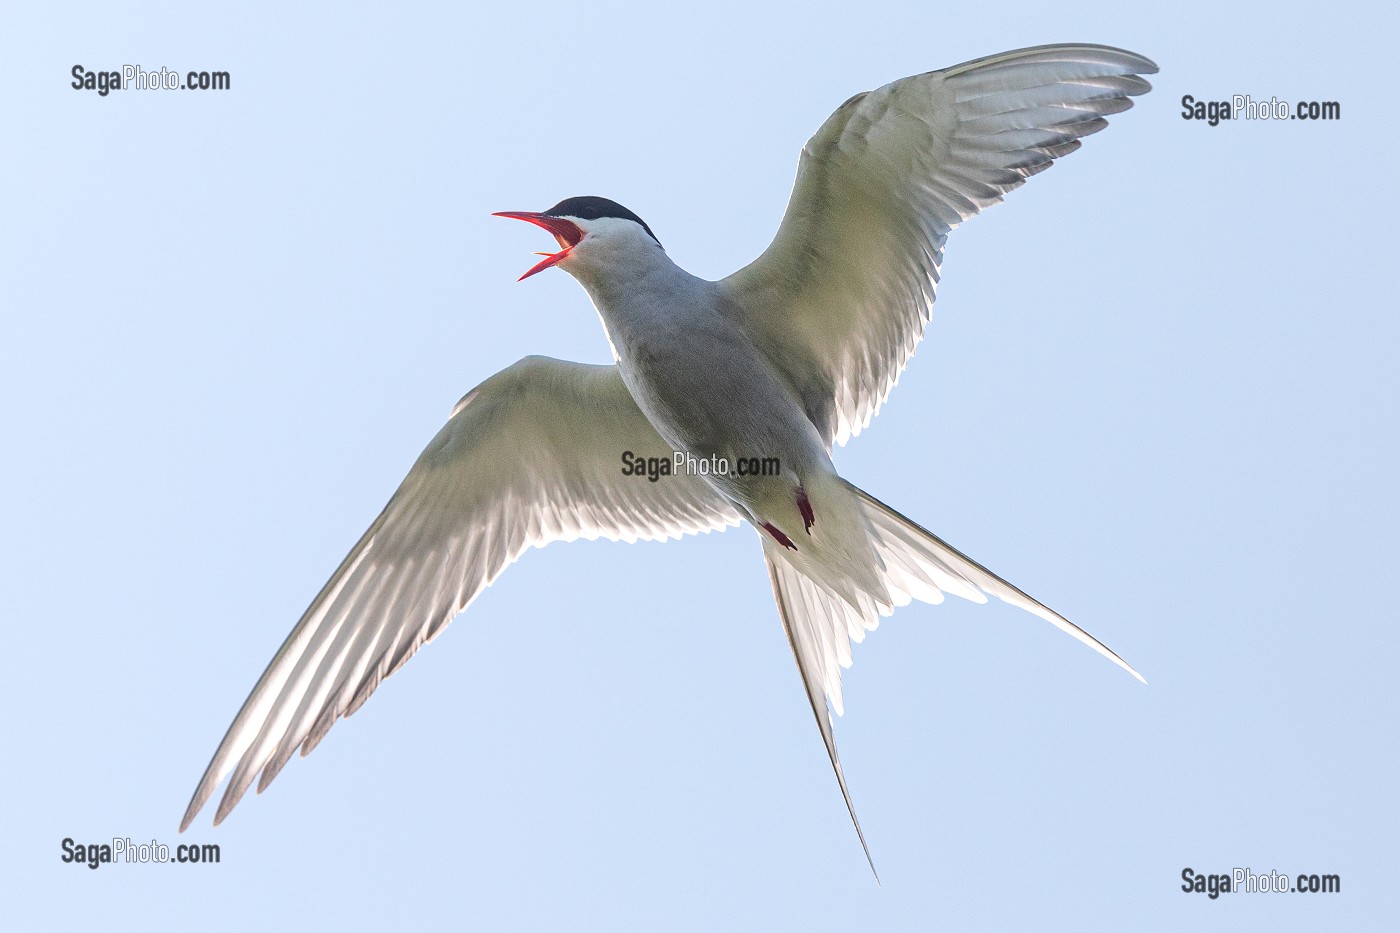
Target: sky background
x,y
1159,393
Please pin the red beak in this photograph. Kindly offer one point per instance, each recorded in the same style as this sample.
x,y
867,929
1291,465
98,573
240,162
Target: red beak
x,y
565,231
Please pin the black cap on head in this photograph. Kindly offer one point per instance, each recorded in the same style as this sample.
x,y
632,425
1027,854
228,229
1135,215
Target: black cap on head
x,y
589,207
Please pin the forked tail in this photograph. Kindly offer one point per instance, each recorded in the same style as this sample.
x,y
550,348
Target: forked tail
x,y
820,624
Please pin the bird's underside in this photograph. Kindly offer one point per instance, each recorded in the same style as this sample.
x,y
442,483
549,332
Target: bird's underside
x,y
533,454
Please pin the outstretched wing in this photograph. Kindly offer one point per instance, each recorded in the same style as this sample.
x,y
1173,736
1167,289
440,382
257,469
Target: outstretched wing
x,y
840,299
532,455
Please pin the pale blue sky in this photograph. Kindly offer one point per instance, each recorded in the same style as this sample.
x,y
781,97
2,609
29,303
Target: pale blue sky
x,y
1159,393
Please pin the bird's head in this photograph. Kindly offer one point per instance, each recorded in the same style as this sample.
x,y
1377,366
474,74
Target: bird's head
x,y
594,234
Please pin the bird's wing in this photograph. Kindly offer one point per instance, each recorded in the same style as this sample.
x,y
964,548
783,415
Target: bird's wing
x,y
840,299
532,455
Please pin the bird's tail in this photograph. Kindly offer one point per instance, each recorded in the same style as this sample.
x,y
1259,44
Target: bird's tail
x,y
821,622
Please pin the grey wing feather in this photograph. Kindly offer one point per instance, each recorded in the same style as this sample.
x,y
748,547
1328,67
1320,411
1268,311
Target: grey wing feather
x,y
840,299
532,455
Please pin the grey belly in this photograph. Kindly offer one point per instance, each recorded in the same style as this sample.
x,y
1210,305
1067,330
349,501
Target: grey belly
x,y
738,418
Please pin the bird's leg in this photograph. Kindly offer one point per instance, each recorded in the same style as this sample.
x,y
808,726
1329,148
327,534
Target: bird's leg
x,y
805,507
778,536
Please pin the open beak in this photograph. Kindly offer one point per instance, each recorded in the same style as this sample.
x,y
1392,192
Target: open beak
x,y
565,231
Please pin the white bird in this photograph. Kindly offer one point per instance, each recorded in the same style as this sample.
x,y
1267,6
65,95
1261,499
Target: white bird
x,y
766,369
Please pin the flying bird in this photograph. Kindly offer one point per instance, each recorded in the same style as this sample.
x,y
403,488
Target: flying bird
x,y
760,373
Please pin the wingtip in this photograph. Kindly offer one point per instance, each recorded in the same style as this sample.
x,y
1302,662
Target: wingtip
x,y
196,804
226,807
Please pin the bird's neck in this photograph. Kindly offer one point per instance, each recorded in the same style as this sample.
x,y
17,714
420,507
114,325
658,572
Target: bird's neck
x,y
641,294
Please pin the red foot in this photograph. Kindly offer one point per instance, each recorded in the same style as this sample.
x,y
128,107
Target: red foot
x,y
779,537
805,507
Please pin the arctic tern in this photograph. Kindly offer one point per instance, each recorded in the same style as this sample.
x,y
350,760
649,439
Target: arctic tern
x,y
775,364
